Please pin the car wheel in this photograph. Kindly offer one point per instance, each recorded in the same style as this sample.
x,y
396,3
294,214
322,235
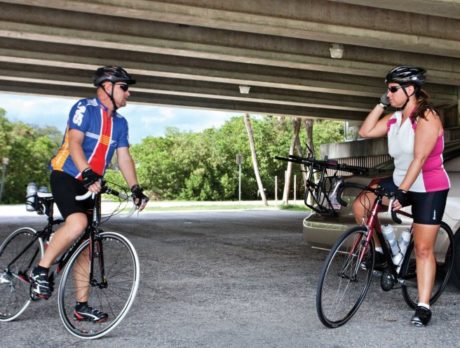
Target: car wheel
x,y
455,276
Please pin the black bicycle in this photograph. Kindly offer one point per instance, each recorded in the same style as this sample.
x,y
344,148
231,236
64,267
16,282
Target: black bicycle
x,y
102,264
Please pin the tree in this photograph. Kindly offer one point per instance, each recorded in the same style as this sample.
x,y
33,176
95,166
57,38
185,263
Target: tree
x,y
201,165
247,122
29,150
295,137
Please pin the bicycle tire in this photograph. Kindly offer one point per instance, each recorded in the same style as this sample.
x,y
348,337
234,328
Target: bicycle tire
x,y
14,282
444,254
455,276
342,267
121,265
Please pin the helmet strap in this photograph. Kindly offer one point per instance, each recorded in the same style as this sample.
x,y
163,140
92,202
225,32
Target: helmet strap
x,y
111,97
407,97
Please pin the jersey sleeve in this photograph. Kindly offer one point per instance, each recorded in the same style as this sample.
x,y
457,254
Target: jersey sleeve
x,y
123,141
79,117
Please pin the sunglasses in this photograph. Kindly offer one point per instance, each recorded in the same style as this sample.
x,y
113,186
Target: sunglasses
x,y
124,87
394,89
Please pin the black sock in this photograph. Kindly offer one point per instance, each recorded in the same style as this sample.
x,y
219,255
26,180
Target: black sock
x,y
42,269
81,304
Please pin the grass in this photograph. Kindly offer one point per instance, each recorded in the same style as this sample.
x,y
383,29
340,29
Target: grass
x,y
294,207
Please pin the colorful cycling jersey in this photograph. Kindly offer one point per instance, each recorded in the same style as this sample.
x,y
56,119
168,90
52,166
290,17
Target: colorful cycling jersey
x,y
103,135
401,140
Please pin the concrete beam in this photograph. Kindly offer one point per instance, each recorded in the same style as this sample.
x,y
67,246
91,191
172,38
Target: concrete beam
x,y
441,8
197,52
355,32
283,90
186,101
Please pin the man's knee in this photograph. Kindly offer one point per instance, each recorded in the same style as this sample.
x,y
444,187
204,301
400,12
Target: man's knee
x,y
76,223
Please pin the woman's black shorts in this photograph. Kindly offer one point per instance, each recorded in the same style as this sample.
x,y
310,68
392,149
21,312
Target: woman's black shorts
x,y
64,188
427,207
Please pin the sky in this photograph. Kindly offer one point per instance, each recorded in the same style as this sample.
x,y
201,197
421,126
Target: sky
x,y
143,120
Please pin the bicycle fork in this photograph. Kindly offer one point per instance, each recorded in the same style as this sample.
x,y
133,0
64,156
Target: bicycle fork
x,y
97,255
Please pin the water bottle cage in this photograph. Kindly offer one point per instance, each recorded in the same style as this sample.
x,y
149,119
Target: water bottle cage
x,y
35,204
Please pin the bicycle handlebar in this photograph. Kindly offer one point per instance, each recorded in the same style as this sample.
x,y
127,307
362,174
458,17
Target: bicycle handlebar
x,y
325,164
104,189
379,191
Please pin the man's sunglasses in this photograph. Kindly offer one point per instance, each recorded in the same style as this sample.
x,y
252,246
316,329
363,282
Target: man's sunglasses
x,y
394,89
124,87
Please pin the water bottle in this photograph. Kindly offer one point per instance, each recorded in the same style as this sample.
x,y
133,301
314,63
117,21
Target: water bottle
x,y
389,235
31,193
404,241
43,189
334,202
333,197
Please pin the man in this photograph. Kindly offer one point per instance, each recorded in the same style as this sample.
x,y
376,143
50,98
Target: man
x,y
95,131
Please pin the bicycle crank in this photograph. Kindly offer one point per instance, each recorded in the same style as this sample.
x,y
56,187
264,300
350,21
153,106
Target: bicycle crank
x,y
387,281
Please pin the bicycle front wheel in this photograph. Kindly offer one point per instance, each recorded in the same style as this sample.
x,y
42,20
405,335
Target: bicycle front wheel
x,y
111,289
345,277
444,255
20,251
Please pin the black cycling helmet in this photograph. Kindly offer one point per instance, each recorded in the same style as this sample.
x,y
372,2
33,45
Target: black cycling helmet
x,y
112,74
406,75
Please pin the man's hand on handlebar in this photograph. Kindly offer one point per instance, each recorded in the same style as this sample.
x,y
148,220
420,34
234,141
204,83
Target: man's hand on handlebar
x,y
140,200
91,180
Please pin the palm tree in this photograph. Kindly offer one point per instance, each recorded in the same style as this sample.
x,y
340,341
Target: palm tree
x,y
287,181
247,123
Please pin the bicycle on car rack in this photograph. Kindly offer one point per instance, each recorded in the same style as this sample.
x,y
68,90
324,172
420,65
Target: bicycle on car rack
x,y
323,179
347,272
111,277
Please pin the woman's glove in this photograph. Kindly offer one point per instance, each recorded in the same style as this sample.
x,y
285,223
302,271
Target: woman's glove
x,y
384,101
402,197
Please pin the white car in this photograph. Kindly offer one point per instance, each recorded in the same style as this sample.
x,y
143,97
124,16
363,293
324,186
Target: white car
x,y
322,231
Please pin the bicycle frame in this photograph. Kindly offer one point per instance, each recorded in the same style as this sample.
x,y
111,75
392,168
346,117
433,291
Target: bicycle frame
x,y
90,233
373,226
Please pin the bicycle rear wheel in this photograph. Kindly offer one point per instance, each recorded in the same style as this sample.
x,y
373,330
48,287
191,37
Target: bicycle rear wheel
x,y
112,288
345,277
444,254
14,276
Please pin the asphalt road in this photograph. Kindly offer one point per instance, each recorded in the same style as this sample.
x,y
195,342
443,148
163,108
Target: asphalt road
x,y
232,279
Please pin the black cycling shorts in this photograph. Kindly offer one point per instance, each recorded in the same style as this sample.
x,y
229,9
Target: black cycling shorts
x,y
427,207
64,188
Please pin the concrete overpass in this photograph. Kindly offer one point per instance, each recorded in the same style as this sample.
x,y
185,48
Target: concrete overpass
x,y
198,53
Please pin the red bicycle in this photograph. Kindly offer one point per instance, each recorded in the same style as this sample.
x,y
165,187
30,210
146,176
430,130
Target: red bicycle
x,y
348,269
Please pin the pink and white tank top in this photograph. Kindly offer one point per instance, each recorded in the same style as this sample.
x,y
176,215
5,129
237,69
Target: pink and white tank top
x,y
401,139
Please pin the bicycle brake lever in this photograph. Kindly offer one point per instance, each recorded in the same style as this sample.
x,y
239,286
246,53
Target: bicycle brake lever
x,y
392,213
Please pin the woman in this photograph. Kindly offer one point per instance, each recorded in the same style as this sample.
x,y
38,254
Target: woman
x,y
416,142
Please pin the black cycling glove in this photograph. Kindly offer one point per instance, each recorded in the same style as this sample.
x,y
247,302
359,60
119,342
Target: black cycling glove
x,y
402,197
89,177
139,199
384,101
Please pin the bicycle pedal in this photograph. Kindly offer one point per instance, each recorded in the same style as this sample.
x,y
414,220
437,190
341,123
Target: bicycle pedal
x,y
387,281
34,297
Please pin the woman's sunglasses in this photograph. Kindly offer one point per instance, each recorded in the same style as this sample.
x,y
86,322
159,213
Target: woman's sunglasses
x,y
124,87
394,89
